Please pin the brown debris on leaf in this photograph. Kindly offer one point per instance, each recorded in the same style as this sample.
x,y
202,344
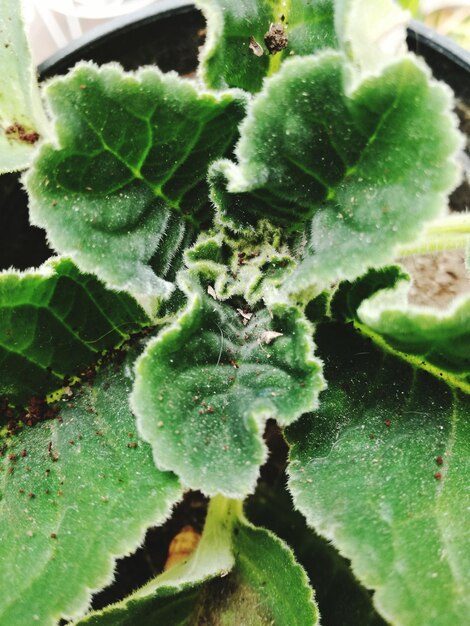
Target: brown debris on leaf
x,y
276,38
255,47
17,131
269,335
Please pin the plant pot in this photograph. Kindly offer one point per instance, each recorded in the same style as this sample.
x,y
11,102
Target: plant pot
x,y
168,34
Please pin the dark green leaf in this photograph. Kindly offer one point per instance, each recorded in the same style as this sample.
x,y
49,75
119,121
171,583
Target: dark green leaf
x,y
381,470
359,171
124,188
54,322
349,295
75,494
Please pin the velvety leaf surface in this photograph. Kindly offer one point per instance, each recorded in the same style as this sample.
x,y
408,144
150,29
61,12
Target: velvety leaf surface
x,y
207,384
132,154
266,587
439,337
228,59
341,599
75,494
360,172
54,322
251,269
381,470
22,118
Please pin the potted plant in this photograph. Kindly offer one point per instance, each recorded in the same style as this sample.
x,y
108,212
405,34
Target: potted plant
x,y
227,256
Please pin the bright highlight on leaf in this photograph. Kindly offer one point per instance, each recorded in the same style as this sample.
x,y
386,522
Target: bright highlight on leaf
x,y
363,26
131,155
207,384
360,172
255,580
76,493
381,469
22,119
54,323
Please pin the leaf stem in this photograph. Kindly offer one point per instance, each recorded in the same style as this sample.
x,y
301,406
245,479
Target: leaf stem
x,y
449,233
282,7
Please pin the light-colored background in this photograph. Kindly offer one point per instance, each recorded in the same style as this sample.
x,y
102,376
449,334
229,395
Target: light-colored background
x,y
53,23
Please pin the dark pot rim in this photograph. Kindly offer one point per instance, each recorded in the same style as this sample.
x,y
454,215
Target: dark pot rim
x,y
447,59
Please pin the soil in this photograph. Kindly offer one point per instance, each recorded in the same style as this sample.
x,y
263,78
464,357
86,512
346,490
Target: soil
x,y
438,278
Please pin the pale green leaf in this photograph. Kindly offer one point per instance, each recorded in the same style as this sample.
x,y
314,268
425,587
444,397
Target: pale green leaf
x,y
438,337
22,118
266,587
381,470
207,384
371,34
54,322
78,493
124,188
228,60
360,172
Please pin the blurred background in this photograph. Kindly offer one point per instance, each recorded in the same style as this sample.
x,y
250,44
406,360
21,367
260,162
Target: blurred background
x,y
54,23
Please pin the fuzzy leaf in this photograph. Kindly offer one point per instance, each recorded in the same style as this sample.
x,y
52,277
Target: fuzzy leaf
x,y
207,384
381,470
67,520
438,337
54,322
360,172
21,115
266,587
349,295
330,575
132,156
228,60
255,274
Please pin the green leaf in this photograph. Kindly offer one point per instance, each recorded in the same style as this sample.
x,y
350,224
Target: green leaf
x,y
125,186
338,594
78,493
265,588
381,470
252,267
349,295
360,172
228,60
54,322
438,337
22,118
207,384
